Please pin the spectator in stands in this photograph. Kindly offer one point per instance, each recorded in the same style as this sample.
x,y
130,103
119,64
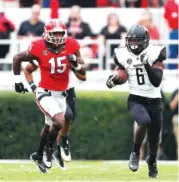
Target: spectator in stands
x,y
171,16
28,3
79,29
174,108
76,27
6,27
32,28
113,30
146,20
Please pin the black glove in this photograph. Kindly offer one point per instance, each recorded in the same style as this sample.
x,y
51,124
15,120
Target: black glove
x,y
19,87
110,81
72,60
32,86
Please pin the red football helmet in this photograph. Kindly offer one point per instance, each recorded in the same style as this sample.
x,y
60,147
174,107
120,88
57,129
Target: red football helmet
x,y
55,32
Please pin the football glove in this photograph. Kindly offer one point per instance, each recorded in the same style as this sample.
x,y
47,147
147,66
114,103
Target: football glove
x,y
110,81
19,87
72,59
144,58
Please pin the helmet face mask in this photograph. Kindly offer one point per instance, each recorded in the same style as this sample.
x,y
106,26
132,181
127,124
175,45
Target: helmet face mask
x,y
137,39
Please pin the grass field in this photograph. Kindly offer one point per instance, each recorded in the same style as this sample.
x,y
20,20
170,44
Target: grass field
x,y
85,171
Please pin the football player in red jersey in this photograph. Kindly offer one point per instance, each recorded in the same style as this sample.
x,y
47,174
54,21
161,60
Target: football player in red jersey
x,y
63,150
56,53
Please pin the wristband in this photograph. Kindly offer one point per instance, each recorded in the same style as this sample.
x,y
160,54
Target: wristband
x,y
17,78
78,67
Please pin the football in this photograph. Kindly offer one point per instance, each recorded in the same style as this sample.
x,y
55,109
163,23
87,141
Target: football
x,y
121,77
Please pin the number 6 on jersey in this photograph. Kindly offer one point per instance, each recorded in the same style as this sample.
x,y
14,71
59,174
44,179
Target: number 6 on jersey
x,y
56,65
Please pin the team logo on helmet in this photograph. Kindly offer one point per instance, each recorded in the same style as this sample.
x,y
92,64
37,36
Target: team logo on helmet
x,y
45,53
129,61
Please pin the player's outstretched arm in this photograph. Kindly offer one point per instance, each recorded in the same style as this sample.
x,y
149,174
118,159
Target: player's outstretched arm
x,y
78,65
17,60
155,72
29,69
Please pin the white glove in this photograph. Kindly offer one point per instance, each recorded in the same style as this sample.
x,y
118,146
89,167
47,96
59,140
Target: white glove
x,y
144,58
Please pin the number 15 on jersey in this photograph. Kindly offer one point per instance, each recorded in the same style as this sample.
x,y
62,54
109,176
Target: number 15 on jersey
x,y
56,65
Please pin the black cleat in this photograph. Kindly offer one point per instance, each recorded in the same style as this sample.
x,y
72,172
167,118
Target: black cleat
x,y
58,159
152,167
48,157
134,162
65,150
39,162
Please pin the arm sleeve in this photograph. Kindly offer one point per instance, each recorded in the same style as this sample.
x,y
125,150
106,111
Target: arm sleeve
x,y
155,75
162,55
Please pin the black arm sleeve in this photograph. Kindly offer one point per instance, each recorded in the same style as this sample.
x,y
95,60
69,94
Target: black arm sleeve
x,y
162,56
155,75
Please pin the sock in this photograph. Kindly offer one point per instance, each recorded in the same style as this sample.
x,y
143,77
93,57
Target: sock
x,y
64,139
152,158
136,148
42,144
58,149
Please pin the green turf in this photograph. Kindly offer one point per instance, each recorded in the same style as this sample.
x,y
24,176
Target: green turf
x,y
86,171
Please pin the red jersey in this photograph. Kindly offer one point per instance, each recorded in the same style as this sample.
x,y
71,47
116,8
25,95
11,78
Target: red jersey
x,y
54,68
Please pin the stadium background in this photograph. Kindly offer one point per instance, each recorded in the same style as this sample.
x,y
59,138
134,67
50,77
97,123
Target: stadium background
x,y
103,128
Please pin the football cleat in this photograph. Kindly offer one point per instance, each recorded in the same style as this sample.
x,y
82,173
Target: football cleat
x,y
58,159
48,157
134,162
152,167
65,150
39,162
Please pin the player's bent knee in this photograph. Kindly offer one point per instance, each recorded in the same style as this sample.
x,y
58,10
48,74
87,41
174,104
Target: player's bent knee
x,y
58,120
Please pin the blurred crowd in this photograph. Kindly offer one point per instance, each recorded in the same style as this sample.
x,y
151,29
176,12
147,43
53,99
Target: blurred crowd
x,y
81,30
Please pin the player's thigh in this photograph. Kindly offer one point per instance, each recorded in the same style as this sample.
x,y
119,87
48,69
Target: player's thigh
x,y
48,121
139,112
47,104
61,100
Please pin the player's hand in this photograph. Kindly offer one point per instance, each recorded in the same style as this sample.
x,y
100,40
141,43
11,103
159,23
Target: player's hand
x,y
110,81
73,60
19,87
144,58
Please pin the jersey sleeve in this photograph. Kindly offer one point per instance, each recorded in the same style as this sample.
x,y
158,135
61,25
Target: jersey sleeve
x,y
33,49
118,58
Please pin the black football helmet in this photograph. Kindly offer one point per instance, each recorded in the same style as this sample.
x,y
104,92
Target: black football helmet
x,y
137,39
